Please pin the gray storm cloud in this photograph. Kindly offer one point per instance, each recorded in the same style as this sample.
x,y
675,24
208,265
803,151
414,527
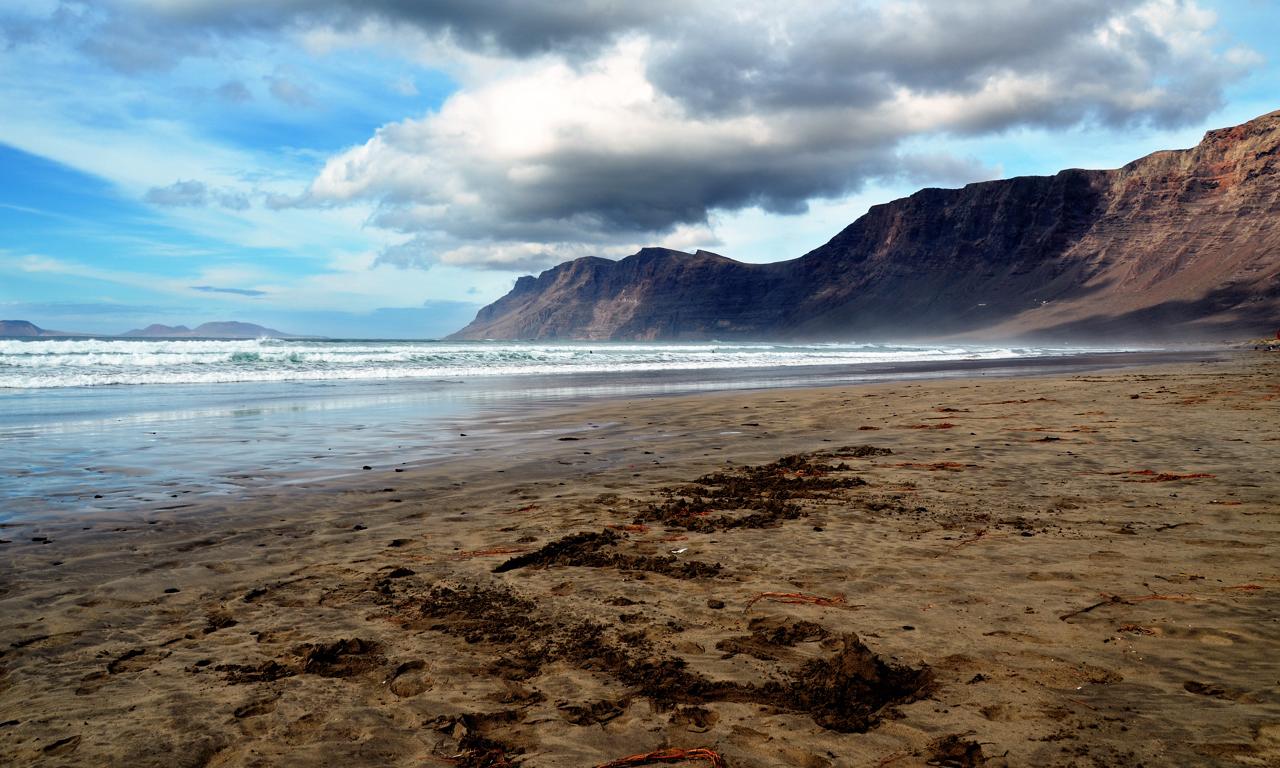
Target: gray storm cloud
x,y
627,122
142,35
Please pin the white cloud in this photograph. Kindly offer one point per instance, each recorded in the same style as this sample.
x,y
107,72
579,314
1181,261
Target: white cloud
x,y
191,193
557,160
602,127
179,193
779,109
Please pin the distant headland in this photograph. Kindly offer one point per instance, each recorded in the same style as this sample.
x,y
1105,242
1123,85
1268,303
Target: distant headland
x,y
227,329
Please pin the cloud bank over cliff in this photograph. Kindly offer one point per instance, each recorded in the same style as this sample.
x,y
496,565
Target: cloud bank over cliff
x,y
365,153
655,123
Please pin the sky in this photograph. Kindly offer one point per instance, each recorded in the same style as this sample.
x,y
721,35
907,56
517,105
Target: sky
x,y
383,168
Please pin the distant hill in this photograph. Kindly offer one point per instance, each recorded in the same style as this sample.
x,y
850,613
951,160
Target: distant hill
x,y
220,330
1179,245
22,329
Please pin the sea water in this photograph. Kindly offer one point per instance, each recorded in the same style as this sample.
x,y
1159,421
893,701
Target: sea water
x,y
88,425
45,364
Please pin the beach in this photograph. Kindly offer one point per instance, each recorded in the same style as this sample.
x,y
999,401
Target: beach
x,y
1073,568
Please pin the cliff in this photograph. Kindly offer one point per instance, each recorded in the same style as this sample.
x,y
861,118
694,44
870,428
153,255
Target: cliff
x,y
1181,244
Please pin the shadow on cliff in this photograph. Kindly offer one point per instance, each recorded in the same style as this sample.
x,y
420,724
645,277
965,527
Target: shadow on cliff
x,y
935,308
1240,313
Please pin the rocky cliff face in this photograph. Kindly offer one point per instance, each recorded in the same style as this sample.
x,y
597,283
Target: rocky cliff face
x,y
1181,244
654,294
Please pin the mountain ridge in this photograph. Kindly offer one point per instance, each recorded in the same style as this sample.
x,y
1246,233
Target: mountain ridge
x,y
226,329
1179,244
25,329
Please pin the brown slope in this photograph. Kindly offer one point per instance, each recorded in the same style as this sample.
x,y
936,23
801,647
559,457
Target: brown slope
x,y
948,260
1180,244
1189,244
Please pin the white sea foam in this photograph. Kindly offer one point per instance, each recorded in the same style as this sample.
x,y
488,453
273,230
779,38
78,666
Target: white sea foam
x,y
50,363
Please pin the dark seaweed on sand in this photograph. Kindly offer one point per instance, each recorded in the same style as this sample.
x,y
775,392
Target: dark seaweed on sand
x,y
846,692
955,751
476,749
341,658
767,493
598,550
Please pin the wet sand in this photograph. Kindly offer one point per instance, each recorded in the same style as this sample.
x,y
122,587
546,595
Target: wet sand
x,y
1077,569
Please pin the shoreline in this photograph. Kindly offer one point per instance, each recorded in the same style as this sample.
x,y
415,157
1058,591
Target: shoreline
x,y
359,619
124,451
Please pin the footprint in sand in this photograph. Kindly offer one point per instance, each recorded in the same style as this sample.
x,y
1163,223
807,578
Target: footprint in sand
x,y
771,752
1203,635
256,708
1000,713
695,719
409,679
1216,640
1022,637
91,682
62,746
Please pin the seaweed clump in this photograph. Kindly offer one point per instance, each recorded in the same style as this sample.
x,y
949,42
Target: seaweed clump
x,y
599,550
845,692
768,493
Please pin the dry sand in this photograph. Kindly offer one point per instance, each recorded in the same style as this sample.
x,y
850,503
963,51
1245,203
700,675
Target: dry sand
x,y
1071,570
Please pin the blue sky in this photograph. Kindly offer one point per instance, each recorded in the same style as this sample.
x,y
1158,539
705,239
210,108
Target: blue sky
x,y
385,168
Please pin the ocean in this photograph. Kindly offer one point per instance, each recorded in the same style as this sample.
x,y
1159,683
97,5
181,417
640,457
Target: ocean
x,y
53,364
89,426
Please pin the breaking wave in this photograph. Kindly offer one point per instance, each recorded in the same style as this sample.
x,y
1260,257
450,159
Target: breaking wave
x,y
53,363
